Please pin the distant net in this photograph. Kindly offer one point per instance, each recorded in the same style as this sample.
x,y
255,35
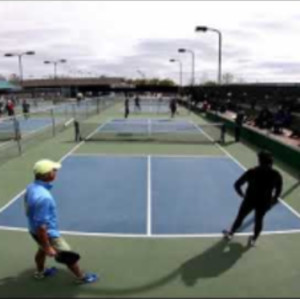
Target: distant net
x,y
152,130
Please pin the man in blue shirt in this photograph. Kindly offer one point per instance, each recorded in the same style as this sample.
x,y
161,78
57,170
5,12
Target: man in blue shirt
x,y
43,223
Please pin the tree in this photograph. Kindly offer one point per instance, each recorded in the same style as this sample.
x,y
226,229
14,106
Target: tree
x,y
210,83
167,82
152,81
13,78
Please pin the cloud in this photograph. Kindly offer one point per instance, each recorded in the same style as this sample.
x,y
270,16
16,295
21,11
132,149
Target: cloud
x,y
118,37
291,68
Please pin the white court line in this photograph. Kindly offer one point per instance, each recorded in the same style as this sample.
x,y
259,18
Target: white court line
x,y
153,236
297,214
137,155
149,195
63,158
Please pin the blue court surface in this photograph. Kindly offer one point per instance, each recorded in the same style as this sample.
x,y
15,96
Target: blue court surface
x,y
148,196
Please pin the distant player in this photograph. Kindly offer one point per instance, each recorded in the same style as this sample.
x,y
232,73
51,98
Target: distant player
x,y
137,105
25,109
126,103
10,108
264,188
173,107
78,137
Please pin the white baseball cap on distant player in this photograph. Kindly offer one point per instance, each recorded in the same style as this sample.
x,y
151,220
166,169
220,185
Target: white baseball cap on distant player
x,y
44,166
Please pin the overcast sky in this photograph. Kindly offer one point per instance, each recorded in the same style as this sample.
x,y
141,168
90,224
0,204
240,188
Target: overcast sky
x,y
261,39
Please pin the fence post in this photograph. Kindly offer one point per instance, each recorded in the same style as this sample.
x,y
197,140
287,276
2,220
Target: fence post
x,y
98,105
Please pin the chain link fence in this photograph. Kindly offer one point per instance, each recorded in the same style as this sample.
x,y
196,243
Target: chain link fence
x,y
22,132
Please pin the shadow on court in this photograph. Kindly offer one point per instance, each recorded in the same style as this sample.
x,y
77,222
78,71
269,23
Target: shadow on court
x,y
211,263
228,143
24,285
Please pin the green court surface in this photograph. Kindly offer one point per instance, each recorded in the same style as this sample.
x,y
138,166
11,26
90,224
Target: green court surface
x,y
151,267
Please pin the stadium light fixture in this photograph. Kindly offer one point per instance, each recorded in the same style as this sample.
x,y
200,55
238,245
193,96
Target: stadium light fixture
x,y
180,70
19,55
183,50
204,29
55,62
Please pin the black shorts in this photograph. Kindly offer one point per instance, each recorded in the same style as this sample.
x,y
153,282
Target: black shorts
x,y
258,206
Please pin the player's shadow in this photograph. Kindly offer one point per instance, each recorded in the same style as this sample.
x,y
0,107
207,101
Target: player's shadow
x,y
211,263
228,143
24,285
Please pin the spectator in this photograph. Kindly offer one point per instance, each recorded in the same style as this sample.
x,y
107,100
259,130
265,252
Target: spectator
x,y
278,121
264,119
239,120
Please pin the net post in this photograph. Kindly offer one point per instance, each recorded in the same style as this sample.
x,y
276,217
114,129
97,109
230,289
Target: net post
x,y
86,110
53,121
74,110
17,134
98,105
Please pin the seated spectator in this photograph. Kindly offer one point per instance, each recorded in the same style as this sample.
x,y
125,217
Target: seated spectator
x,y
205,106
264,119
278,122
287,118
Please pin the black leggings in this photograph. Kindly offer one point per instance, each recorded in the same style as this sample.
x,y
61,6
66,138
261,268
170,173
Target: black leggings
x,y
246,207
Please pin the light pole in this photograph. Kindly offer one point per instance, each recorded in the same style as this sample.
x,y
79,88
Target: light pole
x,y
55,62
180,70
19,55
182,50
142,74
204,29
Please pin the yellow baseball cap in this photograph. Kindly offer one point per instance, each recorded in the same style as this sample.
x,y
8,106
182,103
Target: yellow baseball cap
x,y
44,166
